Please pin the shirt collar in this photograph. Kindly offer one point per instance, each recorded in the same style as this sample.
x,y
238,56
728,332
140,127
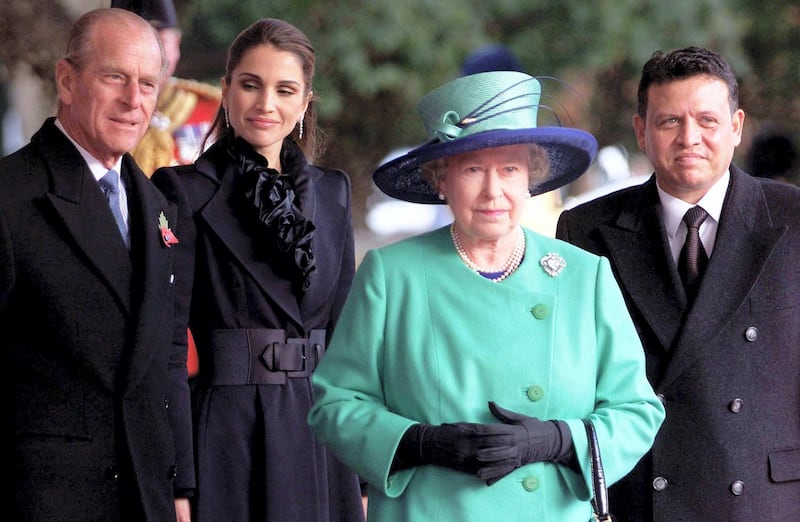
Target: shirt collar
x,y
673,209
97,168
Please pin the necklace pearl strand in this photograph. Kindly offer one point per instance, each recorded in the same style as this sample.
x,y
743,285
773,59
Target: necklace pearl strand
x,y
506,270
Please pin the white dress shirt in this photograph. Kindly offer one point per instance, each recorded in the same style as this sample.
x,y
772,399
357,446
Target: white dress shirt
x,y
98,170
673,210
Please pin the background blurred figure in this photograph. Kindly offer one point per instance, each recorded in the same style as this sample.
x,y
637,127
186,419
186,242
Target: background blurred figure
x,y
773,154
185,109
491,57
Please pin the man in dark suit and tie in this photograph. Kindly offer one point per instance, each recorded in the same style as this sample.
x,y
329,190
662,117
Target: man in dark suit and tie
x,y
707,258
93,397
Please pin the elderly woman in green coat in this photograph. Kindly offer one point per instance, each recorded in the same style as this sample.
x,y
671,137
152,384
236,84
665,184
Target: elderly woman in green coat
x,y
466,359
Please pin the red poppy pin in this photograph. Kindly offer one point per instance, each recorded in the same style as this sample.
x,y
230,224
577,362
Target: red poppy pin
x,y
167,236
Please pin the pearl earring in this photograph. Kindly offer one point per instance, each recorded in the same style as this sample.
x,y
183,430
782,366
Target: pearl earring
x,y
227,121
441,196
300,132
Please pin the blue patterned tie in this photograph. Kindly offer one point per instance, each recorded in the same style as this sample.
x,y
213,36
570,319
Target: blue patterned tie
x,y
693,259
109,184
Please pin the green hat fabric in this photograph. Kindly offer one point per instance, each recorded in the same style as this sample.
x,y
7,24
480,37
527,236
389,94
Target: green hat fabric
x,y
490,109
454,110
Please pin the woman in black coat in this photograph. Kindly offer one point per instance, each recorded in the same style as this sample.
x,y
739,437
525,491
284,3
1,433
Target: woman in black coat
x,y
264,275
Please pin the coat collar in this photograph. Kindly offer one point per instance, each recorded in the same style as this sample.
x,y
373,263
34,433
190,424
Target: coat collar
x,y
139,280
154,276
77,200
223,220
745,239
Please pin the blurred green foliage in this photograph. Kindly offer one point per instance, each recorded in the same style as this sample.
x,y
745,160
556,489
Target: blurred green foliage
x,y
377,58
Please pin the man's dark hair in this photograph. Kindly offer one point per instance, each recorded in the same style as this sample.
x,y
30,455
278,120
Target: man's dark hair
x,y
684,63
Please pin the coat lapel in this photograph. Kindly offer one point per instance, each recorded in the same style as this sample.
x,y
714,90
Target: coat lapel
x,y
745,239
646,270
332,224
153,273
79,203
222,219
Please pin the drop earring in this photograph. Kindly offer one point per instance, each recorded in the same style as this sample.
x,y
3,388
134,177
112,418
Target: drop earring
x,y
441,196
300,132
227,121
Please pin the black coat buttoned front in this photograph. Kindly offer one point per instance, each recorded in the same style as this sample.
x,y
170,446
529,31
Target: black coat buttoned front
x,y
85,336
728,369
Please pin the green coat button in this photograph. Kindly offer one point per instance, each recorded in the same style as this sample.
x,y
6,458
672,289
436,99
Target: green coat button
x,y
539,311
530,483
535,392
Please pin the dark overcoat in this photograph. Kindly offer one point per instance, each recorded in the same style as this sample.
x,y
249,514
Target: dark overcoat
x,y
728,369
94,401
256,456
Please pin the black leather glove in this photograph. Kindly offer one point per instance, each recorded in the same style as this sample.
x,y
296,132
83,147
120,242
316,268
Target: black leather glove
x,y
458,446
530,440
490,451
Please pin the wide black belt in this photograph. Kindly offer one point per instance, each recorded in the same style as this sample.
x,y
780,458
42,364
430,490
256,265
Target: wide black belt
x,y
262,356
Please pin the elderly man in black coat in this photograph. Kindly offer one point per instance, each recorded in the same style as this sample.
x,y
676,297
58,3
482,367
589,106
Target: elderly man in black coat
x,y
94,400
716,304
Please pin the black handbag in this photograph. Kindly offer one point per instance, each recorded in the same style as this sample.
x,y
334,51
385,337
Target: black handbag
x,y
599,489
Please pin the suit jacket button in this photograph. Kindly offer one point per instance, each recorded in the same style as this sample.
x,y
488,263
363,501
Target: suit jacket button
x,y
173,472
751,334
660,483
737,488
736,405
111,474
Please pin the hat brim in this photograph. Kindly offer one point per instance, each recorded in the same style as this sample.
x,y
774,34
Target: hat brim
x,y
571,152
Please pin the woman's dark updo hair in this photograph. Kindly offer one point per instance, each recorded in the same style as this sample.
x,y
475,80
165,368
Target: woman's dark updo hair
x,y
285,37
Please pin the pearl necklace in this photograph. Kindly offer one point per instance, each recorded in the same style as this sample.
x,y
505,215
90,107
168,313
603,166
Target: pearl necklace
x,y
508,267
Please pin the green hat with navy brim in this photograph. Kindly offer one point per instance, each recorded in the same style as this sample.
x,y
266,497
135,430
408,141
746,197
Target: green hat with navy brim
x,y
479,111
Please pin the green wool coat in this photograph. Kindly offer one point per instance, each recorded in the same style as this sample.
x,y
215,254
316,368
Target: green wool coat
x,y
422,338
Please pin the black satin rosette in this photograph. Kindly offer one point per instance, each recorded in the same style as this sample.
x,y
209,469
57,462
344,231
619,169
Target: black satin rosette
x,y
272,199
